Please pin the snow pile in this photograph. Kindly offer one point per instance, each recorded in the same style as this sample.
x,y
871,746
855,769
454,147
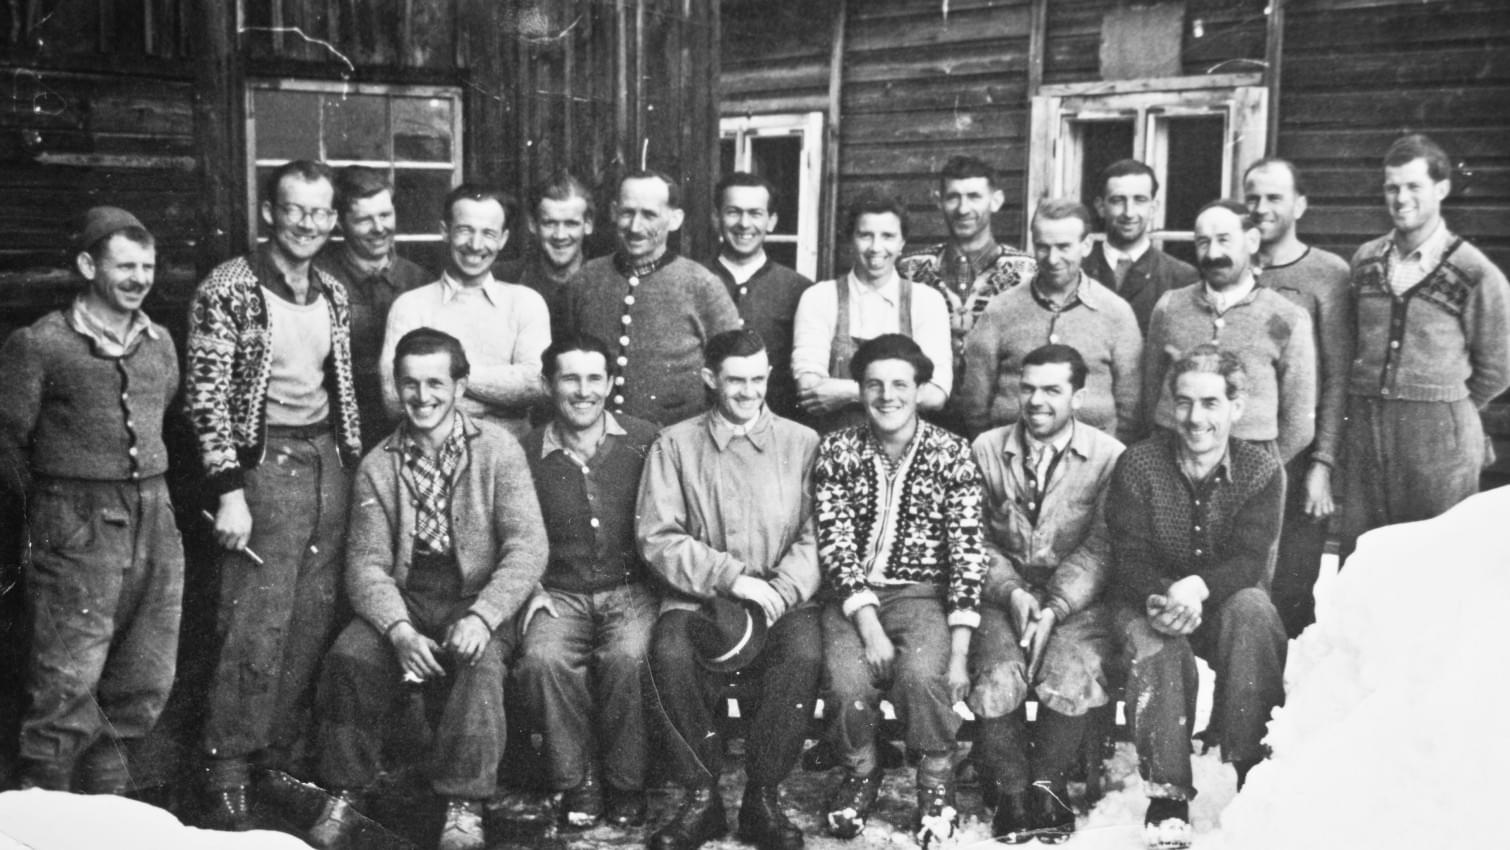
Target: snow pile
x,y
53,820
1394,731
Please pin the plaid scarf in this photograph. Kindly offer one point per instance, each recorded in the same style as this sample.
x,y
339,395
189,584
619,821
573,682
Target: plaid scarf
x,y
432,480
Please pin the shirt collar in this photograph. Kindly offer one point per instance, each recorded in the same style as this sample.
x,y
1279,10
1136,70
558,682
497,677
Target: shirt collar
x,y
629,268
724,432
1221,302
553,442
746,272
978,259
1075,440
356,271
451,289
1082,294
105,341
269,275
1115,254
1223,470
888,289
1429,251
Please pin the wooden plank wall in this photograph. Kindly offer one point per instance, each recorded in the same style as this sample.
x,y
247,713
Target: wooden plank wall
x,y
1357,74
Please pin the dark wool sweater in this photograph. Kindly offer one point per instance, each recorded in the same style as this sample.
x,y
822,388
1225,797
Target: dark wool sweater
x,y
676,310
937,534
1164,528
589,511
768,305
68,413
1154,274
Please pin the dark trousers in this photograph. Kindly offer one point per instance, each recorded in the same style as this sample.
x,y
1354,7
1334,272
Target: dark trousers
x,y
104,584
1301,543
914,618
583,673
276,619
780,689
1244,642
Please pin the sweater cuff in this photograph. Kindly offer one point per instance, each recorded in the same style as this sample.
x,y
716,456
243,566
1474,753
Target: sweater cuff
x,y
859,600
1060,607
222,483
490,616
968,619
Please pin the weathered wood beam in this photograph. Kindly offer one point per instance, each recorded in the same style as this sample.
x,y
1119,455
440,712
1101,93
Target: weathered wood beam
x,y
829,225
1038,35
220,128
1274,60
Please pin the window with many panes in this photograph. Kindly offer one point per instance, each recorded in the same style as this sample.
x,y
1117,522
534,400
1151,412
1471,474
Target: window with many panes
x,y
786,150
411,132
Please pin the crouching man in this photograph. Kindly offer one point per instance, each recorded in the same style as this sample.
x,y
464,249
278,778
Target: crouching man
x,y
899,537
1043,629
1194,518
444,547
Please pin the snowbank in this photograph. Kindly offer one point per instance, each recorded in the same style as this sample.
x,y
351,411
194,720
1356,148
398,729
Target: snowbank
x,y
52,820
1394,731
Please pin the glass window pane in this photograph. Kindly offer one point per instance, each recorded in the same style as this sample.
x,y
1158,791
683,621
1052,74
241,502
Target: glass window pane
x,y
784,253
288,124
779,160
1101,144
422,129
417,197
1195,145
356,126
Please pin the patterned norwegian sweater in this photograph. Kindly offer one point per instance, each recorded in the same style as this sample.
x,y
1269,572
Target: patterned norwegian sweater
x,y
1009,268
230,361
936,536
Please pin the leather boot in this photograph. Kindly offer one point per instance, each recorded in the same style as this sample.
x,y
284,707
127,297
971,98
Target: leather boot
x,y
763,823
334,823
1012,824
699,820
228,810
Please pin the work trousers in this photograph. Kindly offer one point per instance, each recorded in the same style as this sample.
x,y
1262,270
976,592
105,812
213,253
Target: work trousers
x,y
1244,642
777,692
275,619
1301,543
104,585
362,681
1071,681
582,672
1406,460
915,620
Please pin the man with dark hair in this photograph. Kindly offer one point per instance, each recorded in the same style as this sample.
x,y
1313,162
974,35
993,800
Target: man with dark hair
x,y
86,389
970,267
445,544
1127,193
836,316
1043,630
765,292
899,537
1194,515
1316,281
1233,309
373,273
504,326
655,308
1432,315
560,218
726,511
1061,305
586,629
272,403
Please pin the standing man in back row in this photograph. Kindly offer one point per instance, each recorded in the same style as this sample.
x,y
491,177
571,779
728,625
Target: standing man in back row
x,y
765,291
1433,323
1315,280
560,219
1127,261
971,267
654,308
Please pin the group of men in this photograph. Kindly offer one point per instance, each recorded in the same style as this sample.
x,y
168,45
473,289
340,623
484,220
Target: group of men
x,y
621,487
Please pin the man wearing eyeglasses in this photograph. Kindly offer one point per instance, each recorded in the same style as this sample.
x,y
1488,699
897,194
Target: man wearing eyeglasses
x,y
503,326
272,403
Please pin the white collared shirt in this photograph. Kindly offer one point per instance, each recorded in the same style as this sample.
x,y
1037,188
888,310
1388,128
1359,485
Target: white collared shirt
x,y
1223,301
1412,268
1115,254
873,310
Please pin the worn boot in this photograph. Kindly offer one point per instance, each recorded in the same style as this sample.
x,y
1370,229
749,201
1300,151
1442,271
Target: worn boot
x,y
626,808
1166,826
1053,819
1012,823
763,823
582,806
463,826
938,818
228,809
333,824
851,803
700,819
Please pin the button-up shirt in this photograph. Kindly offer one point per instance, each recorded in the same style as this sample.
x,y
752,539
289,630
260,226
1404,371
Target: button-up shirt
x,y
873,311
1165,527
1065,554
107,343
714,506
588,504
1410,269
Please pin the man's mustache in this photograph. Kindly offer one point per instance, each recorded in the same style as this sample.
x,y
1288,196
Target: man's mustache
x,y
1213,263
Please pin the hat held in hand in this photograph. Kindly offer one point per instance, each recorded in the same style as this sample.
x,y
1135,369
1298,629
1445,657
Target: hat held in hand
x,y
727,633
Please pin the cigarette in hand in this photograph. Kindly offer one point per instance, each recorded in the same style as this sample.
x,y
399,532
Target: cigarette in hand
x,y
245,550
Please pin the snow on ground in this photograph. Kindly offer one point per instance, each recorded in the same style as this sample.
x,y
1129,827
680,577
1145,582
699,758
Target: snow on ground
x,y
53,820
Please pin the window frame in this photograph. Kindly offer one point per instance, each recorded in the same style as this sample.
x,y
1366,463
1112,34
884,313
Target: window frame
x,y
253,162
1055,159
809,127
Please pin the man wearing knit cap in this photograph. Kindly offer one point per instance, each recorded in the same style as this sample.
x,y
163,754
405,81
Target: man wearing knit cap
x,y
1233,309
655,308
86,388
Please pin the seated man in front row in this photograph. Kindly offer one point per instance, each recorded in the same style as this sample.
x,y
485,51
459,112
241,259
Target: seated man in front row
x,y
587,628
1043,630
1194,518
726,510
445,544
899,532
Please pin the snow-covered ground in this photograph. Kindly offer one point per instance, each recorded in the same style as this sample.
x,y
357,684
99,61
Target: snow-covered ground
x,y
1394,734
